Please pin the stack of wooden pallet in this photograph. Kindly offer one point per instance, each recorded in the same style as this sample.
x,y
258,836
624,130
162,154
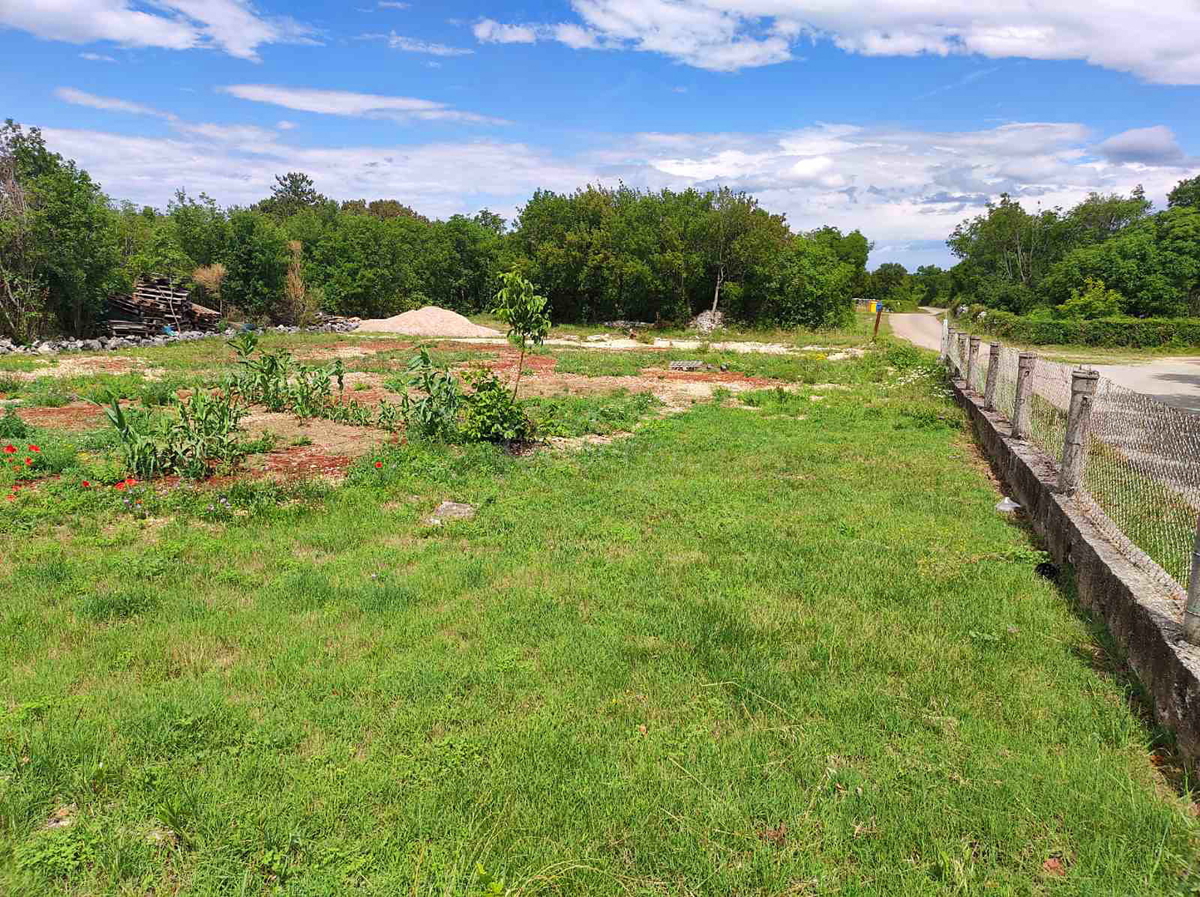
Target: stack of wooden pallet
x,y
155,305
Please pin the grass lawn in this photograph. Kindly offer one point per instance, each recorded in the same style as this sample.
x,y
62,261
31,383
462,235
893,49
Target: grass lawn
x,y
783,645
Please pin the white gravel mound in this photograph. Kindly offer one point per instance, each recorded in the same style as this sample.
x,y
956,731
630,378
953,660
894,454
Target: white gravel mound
x,y
427,321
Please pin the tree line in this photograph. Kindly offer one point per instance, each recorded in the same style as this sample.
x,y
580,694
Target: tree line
x,y
1108,256
597,253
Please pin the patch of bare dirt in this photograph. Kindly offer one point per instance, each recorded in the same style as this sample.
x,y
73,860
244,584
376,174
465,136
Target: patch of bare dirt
x,y
325,437
329,353
76,416
676,389
572,443
88,365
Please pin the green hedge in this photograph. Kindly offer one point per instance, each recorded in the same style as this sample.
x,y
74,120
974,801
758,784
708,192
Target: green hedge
x,y
1125,333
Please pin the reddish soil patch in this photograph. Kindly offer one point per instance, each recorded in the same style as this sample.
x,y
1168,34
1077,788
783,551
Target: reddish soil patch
x,y
76,416
304,463
724,377
534,364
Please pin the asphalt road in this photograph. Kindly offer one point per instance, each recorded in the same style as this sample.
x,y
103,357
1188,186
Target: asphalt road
x,y
1173,381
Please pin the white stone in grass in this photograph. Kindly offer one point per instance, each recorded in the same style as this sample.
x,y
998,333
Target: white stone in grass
x,y
1007,506
450,510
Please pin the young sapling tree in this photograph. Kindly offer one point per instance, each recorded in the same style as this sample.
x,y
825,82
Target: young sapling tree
x,y
518,306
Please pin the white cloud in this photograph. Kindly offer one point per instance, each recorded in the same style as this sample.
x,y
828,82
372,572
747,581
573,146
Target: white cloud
x,y
412,45
489,31
286,125
388,4
439,179
1154,41
904,188
110,104
230,25
96,57
1152,146
359,105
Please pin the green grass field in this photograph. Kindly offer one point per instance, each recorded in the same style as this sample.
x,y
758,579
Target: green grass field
x,y
775,645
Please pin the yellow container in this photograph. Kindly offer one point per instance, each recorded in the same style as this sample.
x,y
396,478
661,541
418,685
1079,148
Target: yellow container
x,y
872,306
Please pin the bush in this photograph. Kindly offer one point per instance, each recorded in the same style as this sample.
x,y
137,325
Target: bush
x,y
1094,301
1112,332
490,414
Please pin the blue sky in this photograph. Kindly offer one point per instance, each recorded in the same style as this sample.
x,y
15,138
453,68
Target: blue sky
x,y
897,118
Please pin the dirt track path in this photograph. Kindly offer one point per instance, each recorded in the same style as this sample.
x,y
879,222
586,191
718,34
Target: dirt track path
x,y
1172,381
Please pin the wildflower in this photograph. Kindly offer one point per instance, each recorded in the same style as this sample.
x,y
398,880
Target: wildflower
x,y
34,448
120,486
28,462
11,497
10,449
378,465
86,484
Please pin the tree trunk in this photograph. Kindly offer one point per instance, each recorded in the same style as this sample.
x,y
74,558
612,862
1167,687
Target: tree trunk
x,y
520,369
717,291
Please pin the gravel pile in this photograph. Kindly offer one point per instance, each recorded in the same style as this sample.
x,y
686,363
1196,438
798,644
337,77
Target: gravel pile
x,y
428,321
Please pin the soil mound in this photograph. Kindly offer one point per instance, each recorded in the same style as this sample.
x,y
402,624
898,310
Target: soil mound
x,y
427,321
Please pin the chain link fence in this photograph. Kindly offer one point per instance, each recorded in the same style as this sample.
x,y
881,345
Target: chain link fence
x,y
1141,479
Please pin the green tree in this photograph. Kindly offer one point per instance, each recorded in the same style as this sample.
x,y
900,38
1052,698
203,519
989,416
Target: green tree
x,y
811,287
256,264
524,311
69,252
293,192
1186,193
201,228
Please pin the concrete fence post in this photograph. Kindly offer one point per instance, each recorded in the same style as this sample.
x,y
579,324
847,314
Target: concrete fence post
x,y
1020,421
1083,395
973,361
944,346
962,353
1191,616
993,374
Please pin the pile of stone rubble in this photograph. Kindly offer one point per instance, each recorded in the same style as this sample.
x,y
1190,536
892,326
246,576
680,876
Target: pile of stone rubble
x,y
113,343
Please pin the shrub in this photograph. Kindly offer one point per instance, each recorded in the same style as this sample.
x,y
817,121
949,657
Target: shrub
x,y
11,425
435,414
203,437
490,414
1094,301
1114,332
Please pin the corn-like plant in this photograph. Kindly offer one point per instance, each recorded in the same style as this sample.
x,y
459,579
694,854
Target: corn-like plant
x,y
434,414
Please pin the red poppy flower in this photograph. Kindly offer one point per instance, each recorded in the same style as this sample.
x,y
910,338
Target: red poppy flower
x,y
130,482
120,485
10,449
28,462
87,485
378,465
34,448
11,497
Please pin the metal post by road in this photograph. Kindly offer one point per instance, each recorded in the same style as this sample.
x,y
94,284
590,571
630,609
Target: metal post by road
x,y
973,361
962,353
993,374
1083,395
1191,616
1025,364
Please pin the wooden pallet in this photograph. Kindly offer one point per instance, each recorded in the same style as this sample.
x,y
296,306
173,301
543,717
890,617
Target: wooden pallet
x,y
155,304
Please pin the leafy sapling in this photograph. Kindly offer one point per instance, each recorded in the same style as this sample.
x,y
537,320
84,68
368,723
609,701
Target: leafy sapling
x,y
518,306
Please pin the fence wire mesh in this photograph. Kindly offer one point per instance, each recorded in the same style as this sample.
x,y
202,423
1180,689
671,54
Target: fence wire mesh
x,y
1006,382
1141,481
1142,471
1049,402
